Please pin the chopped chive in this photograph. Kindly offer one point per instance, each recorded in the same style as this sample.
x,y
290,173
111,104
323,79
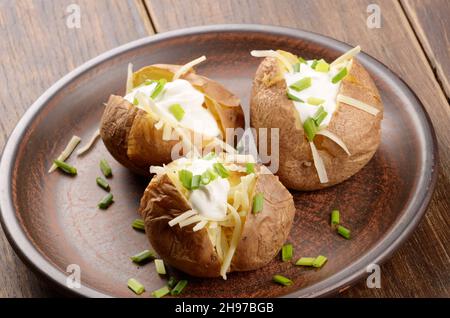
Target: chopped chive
x,y
310,128
159,87
135,286
102,183
143,256
161,292
106,169
221,170
314,64
195,182
319,116
344,232
301,60
315,101
282,280
339,76
65,167
210,156
322,66
148,82
249,167
293,97
185,177
106,201
301,84
172,282
296,67
319,261
208,176
138,224
135,101
286,252
179,288
335,217
177,111
258,202
160,269
305,261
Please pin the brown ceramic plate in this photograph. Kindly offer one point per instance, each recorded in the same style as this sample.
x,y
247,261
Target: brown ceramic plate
x,y
52,220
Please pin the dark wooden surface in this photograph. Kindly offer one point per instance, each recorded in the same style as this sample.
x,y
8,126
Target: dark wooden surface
x,y
37,49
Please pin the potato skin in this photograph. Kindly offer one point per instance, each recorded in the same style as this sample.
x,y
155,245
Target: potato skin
x,y
129,133
192,252
360,131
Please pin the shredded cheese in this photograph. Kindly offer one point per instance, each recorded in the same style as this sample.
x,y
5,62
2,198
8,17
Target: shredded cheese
x,y
159,124
73,143
346,56
357,104
129,86
157,170
233,244
318,163
182,217
333,137
186,67
189,221
91,142
200,225
275,54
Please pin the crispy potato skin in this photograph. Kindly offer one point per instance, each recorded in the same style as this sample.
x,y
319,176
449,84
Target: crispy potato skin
x,y
129,133
192,252
360,131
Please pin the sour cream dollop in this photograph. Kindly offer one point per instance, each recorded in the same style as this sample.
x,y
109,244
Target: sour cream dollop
x,y
321,87
196,117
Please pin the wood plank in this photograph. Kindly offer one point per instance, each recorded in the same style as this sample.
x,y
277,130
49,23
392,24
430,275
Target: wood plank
x,y
37,48
408,272
432,29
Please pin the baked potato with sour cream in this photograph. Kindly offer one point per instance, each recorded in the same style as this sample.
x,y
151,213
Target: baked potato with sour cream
x,y
166,104
328,116
211,216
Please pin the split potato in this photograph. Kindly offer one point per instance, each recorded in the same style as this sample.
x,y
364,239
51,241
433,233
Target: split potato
x,y
313,155
139,136
258,213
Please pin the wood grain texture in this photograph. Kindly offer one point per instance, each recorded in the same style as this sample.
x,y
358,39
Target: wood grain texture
x,y
430,20
37,48
409,273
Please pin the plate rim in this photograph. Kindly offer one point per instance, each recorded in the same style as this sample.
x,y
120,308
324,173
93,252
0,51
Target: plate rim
x,y
396,235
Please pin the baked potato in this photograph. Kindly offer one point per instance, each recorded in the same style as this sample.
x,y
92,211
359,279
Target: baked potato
x,y
211,216
328,116
165,106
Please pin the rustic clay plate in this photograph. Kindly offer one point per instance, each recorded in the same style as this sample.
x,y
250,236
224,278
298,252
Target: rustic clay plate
x,y
52,220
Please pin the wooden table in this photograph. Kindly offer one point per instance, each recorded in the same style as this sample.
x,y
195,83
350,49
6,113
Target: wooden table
x,y
37,48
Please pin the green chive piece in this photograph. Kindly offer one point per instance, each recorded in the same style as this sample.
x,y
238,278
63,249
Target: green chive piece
x,y
135,286
172,282
335,217
249,167
135,101
102,183
161,292
195,182
179,288
319,261
315,101
210,156
302,84
286,252
207,177
305,261
177,111
319,116
293,97
339,76
282,280
344,232
159,87
148,82
185,177
301,60
106,169
314,64
63,166
296,67
322,66
310,128
138,224
221,170
106,201
160,268
258,203
144,256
